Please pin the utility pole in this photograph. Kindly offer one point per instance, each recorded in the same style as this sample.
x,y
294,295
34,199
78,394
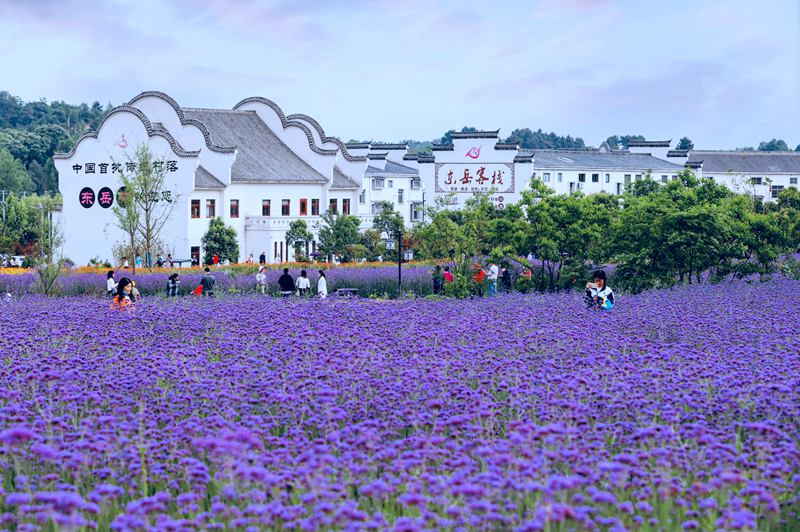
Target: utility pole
x,y
399,262
3,202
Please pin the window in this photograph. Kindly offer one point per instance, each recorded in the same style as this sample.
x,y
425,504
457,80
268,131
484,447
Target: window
x,y
608,178
362,198
333,206
416,212
619,189
571,187
234,208
265,207
560,177
195,208
314,207
638,177
664,178
416,184
376,207
595,178
581,178
792,180
400,196
377,184
346,206
285,205
627,179
211,208
580,186
303,207
391,183
755,180
776,190
674,177
546,177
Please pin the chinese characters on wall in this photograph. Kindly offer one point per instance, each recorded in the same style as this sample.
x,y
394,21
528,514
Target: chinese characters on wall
x,y
470,178
105,196
114,168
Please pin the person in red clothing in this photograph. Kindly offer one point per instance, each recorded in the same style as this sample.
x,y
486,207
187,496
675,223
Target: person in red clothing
x,y
448,275
479,276
215,259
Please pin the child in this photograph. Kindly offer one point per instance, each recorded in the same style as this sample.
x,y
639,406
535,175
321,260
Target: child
x,y
122,299
261,280
111,285
598,295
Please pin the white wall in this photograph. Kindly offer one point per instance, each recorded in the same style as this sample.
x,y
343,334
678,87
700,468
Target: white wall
x,y
92,232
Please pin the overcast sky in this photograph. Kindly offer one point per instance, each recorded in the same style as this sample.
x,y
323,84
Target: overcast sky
x,y
724,72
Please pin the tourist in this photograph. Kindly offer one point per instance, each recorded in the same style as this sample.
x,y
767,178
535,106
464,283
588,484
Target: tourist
x,y
138,261
322,285
250,259
303,284
598,295
170,262
447,275
215,260
494,272
125,264
207,282
172,285
122,298
135,294
261,280
507,279
262,259
159,261
438,279
478,277
111,285
286,283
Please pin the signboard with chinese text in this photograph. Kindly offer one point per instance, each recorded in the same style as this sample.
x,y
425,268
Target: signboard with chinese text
x,y
471,178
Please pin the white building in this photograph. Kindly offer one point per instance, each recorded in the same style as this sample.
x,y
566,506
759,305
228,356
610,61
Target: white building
x,y
762,174
259,170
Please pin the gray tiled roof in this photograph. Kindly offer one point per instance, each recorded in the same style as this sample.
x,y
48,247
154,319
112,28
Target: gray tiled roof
x,y
747,162
649,143
341,181
389,146
597,160
442,147
677,153
205,180
392,168
261,156
475,135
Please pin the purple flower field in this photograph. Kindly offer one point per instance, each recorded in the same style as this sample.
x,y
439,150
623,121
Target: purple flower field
x,y
677,410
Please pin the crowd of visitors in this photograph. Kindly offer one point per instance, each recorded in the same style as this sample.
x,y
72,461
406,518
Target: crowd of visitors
x,y
485,281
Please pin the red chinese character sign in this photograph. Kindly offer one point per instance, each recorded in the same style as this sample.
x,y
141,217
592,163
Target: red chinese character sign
x,y
86,197
471,178
105,197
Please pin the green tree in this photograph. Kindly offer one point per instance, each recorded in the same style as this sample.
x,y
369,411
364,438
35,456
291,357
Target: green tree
x,y
621,141
13,177
773,145
220,240
685,144
147,211
337,234
388,221
297,235
538,139
48,259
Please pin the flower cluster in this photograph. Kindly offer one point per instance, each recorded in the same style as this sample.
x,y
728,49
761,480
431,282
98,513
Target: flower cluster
x,y
678,410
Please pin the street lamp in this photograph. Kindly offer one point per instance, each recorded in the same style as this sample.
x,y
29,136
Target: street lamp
x,y
390,246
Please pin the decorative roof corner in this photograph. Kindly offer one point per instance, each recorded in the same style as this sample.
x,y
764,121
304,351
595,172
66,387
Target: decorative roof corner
x,y
151,132
475,134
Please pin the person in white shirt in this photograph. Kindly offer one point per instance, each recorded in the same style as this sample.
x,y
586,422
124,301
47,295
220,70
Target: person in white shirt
x,y
598,295
322,285
261,280
303,284
493,273
111,285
